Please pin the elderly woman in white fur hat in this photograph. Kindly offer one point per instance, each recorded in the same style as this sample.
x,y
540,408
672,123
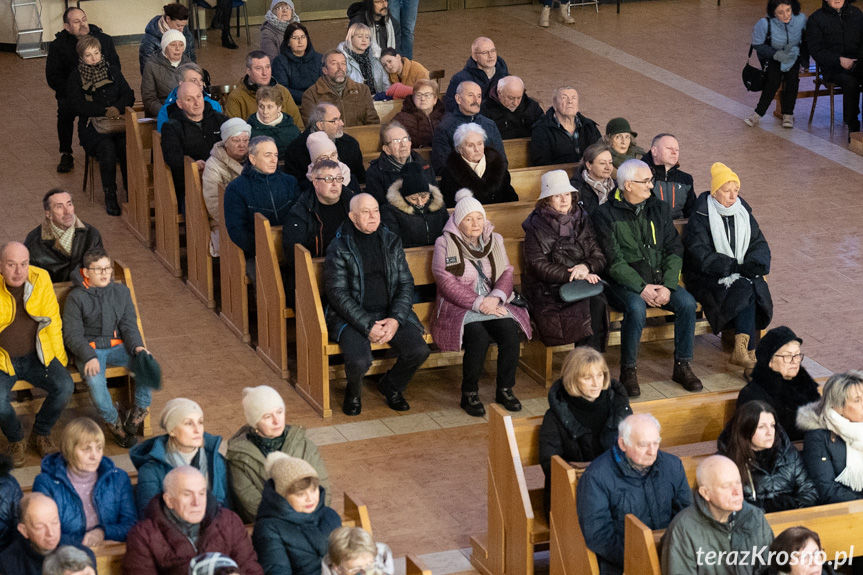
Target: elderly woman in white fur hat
x,y
475,302
265,433
159,77
560,247
184,443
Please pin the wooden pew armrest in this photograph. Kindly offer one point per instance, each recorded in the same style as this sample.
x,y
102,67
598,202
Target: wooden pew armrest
x,y
415,566
357,511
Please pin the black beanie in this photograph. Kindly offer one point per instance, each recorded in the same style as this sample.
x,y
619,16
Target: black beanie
x,y
413,180
772,341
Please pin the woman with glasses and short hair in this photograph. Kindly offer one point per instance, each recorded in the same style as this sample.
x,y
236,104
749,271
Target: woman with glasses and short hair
x,y
353,551
725,260
422,113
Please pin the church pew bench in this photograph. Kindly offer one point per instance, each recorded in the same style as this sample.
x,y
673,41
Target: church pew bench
x,y
234,282
170,224
517,150
273,312
199,262
136,212
527,182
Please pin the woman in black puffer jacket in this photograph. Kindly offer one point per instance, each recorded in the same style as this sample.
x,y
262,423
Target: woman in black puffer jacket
x,y
774,477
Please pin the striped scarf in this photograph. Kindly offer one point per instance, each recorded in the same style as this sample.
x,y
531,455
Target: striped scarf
x,y
457,251
95,76
63,238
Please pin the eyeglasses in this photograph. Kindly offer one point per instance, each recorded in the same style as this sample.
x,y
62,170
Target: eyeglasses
x,y
646,182
331,179
284,8
487,52
797,357
424,95
359,570
298,38
398,141
101,270
334,121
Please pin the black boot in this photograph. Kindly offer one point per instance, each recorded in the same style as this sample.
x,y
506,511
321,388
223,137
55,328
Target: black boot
x,y
227,41
111,205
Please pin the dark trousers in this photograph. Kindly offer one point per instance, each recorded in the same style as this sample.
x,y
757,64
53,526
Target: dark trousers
x,y
744,323
65,125
357,349
54,379
223,15
110,149
772,80
850,84
475,341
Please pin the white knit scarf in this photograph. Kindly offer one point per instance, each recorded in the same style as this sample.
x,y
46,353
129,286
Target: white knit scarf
x,y
742,232
478,167
852,433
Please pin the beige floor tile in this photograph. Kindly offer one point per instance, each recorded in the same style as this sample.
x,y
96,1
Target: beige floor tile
x,y
325,435
363,430
455,418
412,423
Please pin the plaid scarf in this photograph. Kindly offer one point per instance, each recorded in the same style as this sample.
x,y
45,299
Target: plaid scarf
x,y
95,76
63,238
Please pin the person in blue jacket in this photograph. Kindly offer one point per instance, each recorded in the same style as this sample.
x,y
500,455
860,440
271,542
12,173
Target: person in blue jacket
x,y
293,526
634,476
93,496
10,495
190,72
185,443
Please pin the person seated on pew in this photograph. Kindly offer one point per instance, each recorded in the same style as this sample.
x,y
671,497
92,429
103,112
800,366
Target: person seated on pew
x,y
181,521
193,128
37,537
585,406
100,327
511,109
265,433
475,302
31,349
241,102
270,121
320,147
159,77
477,167
780,380
773,474
720,520
561,135
634,476
375,14
58,245
315,217
190,72
98,90
325,118
560,247
620,138
468,96
403,73
94,496
175,16
10,496
370,291
68,560
831,438
298,65
725,260
396,153
422,113
294,524
363,59
185,443
213,563
222,167
260,188
806,544
484,67
592,177
415,210
671,184
644,257
276,21
354,100
352,549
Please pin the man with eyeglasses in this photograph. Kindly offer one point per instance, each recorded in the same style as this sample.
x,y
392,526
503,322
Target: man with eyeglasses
x,y
326,118
58,245
242,102
511,109
484,67
193,73
376,15
645,257
396,152
31,349
354,100
562,134
672,185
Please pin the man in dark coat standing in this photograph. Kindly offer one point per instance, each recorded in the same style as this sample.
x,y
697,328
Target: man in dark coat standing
x,y
484,67
562,134
631,477
511,109
386,31
62,61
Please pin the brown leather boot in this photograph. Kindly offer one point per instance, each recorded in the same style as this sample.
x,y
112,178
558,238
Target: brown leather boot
x,y
684,376
629,379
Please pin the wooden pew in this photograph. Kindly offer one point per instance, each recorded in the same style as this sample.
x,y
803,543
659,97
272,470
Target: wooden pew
x,y
517,152
387,109
168,218
368,138
527,182
273,312
139,160
568,550
199,262
234,281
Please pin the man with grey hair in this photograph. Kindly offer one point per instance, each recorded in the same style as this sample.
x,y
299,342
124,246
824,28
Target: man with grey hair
x,y
484,67
326,118
396,153
562,134
634,476
370,291
354,100
720,534
68,560
193,73
511,109
645,256
469,97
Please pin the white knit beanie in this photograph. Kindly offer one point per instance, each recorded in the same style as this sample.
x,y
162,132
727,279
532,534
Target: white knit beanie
x,y
259,400
285,470
176,410
465,204
234,126
319,143
172,36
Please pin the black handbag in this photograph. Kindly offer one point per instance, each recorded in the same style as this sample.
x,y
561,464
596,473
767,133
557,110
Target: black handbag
x,y
753,78
577,290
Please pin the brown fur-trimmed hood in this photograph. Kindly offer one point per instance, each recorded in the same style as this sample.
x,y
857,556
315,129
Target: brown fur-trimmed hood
x,y
394,197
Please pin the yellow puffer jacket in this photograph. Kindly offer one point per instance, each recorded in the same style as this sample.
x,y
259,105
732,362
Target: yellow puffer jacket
x,y
41,303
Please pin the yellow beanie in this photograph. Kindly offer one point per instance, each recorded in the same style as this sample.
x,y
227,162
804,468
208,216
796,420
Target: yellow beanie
x,y
721,174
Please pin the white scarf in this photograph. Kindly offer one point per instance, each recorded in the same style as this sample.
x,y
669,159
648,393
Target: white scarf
x,y
852,434
477,167
275,122
742,232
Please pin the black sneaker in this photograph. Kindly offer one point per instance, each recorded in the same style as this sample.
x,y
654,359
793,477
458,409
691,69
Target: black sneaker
x,y
505,397
67,162
471,404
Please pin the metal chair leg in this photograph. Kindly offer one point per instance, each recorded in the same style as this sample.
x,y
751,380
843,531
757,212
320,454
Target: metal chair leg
x,y
86,172
814,99
831,108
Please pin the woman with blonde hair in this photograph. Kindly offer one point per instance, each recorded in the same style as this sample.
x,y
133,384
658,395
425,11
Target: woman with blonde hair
x,y
363,59
352,549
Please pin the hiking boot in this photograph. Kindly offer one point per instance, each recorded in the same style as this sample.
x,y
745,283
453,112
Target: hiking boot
x,y
43,444
753,120
544,16
17,450
740,355
565,16
123,439
787,121
684,376
505,397
629,379
135,420
67,162
471,404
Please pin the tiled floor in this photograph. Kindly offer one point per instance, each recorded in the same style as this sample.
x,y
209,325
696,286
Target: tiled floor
x,y
668,66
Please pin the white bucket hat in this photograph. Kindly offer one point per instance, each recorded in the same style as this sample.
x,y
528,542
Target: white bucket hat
x,y
555,182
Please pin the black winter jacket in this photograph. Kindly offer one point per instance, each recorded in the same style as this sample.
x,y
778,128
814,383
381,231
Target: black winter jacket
x,y
344,283
21,559
824,454
297,73
517,124
551,144
472,73
94,102
63,58
494,187
674,187
10,495
786,397
832,34
415,227
382,174
587,197
183,137
43,254
297,158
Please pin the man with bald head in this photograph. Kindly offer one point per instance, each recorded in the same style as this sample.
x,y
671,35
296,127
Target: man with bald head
x,y
38,535
721,533
31,348
511,109
182,522
483,66
634,476
370,291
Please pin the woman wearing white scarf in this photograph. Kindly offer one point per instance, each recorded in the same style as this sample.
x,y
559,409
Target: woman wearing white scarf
x,y
833,444
726,257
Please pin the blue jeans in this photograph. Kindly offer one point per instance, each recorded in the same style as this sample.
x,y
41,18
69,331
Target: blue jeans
x,y
98,384
634,316
54,379
405,11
